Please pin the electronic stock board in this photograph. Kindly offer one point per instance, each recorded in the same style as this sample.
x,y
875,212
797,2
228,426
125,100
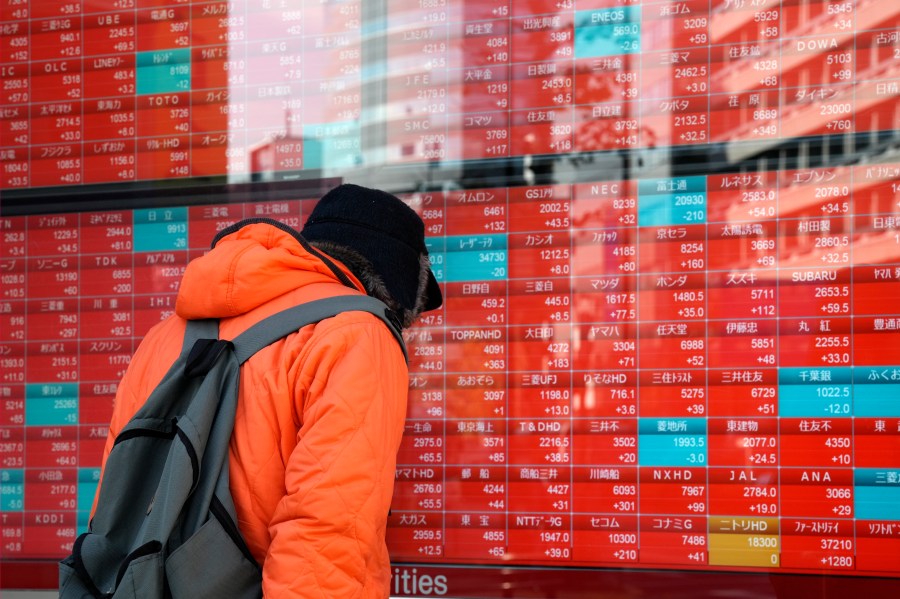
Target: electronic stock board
x,y
668,234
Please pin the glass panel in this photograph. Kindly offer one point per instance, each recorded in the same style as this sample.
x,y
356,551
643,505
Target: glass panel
x,y
667,232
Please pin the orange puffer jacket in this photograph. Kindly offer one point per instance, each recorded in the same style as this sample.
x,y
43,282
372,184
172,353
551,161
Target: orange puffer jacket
x,y
319,418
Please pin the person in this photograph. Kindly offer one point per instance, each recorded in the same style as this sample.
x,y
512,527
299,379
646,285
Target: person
x,y
321,412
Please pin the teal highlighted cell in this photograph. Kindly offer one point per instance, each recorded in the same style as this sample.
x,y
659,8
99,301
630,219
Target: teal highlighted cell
x,y
437,256
672,450
332,145
12,490
437,266
876,391
12,475
88,479
476,266
670,185
51,404
876,494
473,243
833,401
160,229
671,426
877,477
815,376
607,31
790,407
815,392
83,522
436,245
672,442
876,401
475,258
164,71
672,201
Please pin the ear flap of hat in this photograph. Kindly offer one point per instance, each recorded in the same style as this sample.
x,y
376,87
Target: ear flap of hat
x,y
433,296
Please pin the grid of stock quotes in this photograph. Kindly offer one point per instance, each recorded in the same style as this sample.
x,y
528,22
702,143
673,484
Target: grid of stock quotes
x,y
643,366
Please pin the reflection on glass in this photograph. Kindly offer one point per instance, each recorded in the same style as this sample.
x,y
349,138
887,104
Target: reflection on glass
x,y
668,233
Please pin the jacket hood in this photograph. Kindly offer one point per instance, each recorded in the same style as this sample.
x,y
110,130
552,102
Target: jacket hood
x,y
251,263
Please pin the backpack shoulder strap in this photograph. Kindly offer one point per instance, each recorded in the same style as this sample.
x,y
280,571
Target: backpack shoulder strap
x,y
278,325
199,329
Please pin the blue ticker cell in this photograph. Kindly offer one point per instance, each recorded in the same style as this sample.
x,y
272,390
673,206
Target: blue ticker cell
x,y
475,242
672,201
88,480
672,426
51,404
812,376
815,392
437,256
12,490
875,392
876,494
476,266
803,402
607,32
82,522
164,71
672,442
876,401
672,450
160,229
436,245
842,391
475,258
806,402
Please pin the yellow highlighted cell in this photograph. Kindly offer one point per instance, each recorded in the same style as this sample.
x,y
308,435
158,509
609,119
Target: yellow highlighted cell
x,y
758,551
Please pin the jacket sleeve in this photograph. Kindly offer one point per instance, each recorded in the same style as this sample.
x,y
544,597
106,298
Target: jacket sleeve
x,y
328,532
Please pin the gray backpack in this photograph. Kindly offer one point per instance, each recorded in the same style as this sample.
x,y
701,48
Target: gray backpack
x,y
165,522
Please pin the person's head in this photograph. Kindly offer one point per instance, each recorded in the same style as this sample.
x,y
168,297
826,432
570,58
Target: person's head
x,y
380,239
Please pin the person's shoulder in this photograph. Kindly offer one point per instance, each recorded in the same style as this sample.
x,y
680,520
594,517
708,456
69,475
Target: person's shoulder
x,y
356,332
169,331
354,324
159,346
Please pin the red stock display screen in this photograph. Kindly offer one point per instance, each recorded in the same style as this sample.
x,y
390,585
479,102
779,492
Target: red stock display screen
x,y
668,235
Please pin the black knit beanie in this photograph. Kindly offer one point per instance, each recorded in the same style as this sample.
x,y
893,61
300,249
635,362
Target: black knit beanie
x,y
384,230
